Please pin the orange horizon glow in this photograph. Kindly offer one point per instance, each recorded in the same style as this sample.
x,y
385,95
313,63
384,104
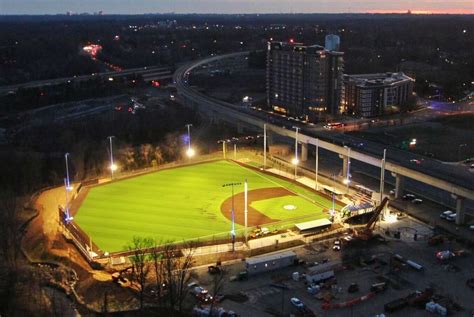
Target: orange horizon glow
x,y
420,12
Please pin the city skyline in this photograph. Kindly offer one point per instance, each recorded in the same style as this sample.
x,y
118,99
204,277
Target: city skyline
x,y
32,7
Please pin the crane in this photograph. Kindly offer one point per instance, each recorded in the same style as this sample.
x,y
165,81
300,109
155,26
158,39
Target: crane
x,y
367,232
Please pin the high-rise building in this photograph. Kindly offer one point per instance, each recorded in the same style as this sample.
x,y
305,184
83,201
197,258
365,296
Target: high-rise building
x,y
370,95
303,81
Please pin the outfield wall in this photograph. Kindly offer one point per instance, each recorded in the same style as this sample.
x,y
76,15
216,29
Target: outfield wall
x,y
249,159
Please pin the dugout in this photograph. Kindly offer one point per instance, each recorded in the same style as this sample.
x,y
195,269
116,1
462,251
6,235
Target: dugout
x,y
313,226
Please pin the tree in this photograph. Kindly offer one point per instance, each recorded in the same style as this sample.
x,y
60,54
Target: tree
x,y
156,257
9,229
217,286
127,156
145,152
158,153
140,265
177,272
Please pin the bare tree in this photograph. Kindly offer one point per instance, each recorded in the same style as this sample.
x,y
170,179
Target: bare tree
x,y
156,256
158,155
177,266
140,265
145,152
127,156
217,286
10,235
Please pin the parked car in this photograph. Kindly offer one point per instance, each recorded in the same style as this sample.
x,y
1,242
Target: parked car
x,y
451,217
297,303
409,197
337,245
198,290
417,201
445,214
213,269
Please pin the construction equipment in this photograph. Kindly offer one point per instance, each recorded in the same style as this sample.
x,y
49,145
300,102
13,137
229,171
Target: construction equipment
x,y
366,233
435,240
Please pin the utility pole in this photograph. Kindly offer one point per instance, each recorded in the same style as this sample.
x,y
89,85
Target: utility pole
x,y
382,181
232,232
317,165
264,146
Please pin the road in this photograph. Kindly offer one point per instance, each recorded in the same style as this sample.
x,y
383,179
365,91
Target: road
x,y
148,73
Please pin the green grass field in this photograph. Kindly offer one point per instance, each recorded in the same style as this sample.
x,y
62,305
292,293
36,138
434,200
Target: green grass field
x,y
182,203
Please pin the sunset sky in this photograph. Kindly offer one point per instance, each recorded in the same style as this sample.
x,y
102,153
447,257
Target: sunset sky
x,y
234,6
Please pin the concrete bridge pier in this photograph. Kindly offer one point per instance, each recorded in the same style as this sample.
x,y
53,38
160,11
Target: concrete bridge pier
x,y
399,185
304,152
460,209
345,164
240,127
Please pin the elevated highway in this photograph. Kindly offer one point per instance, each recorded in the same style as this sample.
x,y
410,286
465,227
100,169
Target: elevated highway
x,y
432,172
148,73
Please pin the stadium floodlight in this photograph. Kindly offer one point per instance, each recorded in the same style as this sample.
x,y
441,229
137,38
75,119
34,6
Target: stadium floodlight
x,y
347,180
190,151
112,166
232,231
295,160
68,183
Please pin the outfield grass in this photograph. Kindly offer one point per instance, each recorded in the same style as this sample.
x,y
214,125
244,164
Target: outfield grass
x,y
173,205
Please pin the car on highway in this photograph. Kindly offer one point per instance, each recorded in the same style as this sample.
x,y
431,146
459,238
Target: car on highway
x,y
409,197
297,303
417,201
445,214
416,161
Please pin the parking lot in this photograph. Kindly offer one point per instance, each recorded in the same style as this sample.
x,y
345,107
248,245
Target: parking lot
x,y
363,264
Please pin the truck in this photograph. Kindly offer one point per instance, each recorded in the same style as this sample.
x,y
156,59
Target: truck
x,y
395,305
319,277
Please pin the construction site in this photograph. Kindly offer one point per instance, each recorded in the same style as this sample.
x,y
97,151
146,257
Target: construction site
x,y
393,265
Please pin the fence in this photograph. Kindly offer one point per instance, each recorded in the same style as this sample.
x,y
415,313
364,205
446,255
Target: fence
x,y
247,156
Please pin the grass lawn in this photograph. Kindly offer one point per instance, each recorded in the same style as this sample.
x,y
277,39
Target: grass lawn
x,y
274,207
171,205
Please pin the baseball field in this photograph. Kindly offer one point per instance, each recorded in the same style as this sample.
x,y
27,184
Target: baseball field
x,y
191,202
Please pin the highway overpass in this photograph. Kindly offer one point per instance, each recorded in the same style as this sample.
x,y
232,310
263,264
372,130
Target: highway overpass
x,y
148,74
433,173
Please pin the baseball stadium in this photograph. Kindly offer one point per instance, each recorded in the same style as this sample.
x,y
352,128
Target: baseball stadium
x,y
193,202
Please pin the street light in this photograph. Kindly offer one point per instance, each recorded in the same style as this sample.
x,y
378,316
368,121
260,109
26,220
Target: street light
x,y
112,166
333,210
232,231
190,151
347,180
68,183
295,160
317,165
264,146
68,188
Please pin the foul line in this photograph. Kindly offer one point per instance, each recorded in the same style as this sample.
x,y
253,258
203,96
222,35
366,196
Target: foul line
x,y
280,185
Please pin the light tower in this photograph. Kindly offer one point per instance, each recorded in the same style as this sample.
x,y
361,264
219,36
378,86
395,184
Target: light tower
x,y
190,151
